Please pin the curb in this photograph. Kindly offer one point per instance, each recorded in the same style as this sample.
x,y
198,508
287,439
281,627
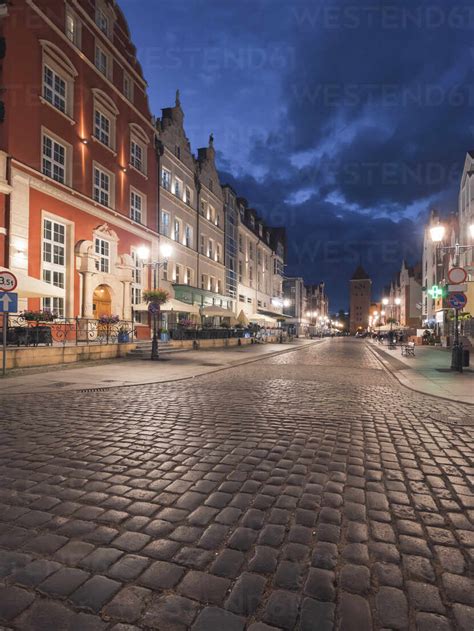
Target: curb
x,y
386,366
151,383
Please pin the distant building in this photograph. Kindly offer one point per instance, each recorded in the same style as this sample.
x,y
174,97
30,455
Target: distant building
x,y
295,301
360,300
410,295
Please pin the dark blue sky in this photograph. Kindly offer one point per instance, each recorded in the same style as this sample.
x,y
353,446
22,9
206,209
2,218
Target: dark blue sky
x,y
343,121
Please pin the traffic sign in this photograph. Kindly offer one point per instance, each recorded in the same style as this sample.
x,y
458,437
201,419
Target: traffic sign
x,y
457,300
8,281
153,307
8,302
457,275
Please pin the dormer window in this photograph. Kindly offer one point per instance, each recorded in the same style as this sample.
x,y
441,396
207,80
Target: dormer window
x,y
102,21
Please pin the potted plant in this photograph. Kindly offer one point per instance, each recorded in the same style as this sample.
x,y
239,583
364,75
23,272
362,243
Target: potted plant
x,y
43,315
123,334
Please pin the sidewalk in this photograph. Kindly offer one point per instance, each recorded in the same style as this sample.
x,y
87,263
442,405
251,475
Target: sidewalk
x,y
428,372
124,372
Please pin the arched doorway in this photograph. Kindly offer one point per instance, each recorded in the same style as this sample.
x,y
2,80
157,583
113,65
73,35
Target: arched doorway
x,y
102,301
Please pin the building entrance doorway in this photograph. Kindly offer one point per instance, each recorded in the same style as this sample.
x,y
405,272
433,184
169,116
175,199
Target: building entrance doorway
x,y
102,301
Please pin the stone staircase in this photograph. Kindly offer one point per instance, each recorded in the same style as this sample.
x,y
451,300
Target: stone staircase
x,y
143,349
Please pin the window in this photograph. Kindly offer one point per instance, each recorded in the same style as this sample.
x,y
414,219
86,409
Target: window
x,y
219,253
137,156
178,187
54,262
54,89
102,127
241,245
204,281
250,276
187,197
203,207
102,21
165,223
212,283
166,179
137,279
188,237
176,230
164,268
102,62
177,274
136,206
177,151
102,250
250,250
240,271
241,298
128,86
249,300
210,249
102,187
189,276
73,28
202,245
219,286
54,159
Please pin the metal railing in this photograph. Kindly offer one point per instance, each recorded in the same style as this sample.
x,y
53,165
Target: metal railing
x,y
22,331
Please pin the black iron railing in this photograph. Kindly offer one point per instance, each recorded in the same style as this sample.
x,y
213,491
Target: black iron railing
x,y
72,331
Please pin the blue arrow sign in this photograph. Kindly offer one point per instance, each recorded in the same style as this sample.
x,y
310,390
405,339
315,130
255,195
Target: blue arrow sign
x,y
8,302
457,300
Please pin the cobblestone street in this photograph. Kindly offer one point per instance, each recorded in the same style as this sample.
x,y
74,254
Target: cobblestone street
x,y
305,491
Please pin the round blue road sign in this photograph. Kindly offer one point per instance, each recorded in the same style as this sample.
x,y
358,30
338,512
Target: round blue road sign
x,y
457,300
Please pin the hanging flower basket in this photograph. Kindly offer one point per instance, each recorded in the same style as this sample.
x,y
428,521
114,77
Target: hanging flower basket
x,y
156,296
38,316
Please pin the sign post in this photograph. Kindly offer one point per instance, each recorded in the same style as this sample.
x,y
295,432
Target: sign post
x,y
457,300
8,304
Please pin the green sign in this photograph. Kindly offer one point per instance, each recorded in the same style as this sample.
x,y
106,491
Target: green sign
x,y
437,292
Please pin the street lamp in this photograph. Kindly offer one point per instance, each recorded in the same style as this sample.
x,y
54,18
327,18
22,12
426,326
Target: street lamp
x,y
386,303
143,253
437,236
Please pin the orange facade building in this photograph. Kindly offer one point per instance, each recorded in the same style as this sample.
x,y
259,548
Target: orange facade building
x,y
78,165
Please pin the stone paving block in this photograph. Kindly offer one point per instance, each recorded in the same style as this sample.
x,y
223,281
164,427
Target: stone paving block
x,y
161,575
424,597
128,567
100,559
392,608
320,584
215,619
63,582
243,539
206,588
95,593
128,604
228,563
196,558
213,536
354,612
459,589
35,572
131,541
281,609
432,622
11,562
418,568
264,560
73,552
317,615
246,594
170,613
464,617
355,578
13,600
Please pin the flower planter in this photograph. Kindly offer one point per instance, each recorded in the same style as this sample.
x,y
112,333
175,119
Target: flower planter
x,y
124,338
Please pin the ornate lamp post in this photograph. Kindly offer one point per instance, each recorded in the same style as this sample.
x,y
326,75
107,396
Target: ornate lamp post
x,y
437,233
155,301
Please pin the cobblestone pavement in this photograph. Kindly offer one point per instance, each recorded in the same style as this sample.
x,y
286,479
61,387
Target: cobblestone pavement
x,y
307,491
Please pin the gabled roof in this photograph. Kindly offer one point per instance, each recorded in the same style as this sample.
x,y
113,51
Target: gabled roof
x,y
360,274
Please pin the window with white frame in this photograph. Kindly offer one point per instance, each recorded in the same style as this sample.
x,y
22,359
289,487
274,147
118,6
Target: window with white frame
x,y
137,279
189,276
137,155
103,186
137,206
54,262
128,87
203,208
204,281
165,223
164,269
102,127
178,187
176,230
212,283
55,158
241,244
102,250
73,28
102,19
102,61
177,274
210,249
54,89
219,253
219,286
187,197
202,244
240,271
166,179
188,236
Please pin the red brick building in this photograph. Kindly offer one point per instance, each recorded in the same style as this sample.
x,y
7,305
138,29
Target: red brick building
x,y
78,172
